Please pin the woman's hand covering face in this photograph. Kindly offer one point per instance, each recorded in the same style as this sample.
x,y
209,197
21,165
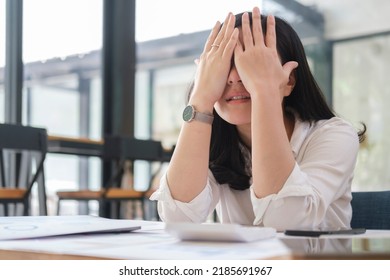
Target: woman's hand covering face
x,y
215,61
256,58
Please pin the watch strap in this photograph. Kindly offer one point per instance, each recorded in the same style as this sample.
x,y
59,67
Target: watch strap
x,y
202,117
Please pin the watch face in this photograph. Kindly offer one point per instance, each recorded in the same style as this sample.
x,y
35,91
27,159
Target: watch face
x,y
188,113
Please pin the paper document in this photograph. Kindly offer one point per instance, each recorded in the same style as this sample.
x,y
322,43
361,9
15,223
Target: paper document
x,y
151,242
22,227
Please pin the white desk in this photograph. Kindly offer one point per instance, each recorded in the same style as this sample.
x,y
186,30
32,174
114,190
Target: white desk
x,y
152,242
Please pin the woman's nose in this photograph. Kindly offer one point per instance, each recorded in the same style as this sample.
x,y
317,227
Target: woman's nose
x,y
233,77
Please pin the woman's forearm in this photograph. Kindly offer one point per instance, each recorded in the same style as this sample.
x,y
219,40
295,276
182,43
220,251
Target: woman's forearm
x,y
188,168
272,158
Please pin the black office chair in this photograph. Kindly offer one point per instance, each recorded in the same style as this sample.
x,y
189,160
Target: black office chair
x,y
371,210
22,154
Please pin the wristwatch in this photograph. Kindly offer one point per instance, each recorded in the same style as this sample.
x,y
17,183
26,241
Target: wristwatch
x,y
190,114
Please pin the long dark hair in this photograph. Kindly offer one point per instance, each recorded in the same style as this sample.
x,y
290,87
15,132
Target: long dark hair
x,y
227,161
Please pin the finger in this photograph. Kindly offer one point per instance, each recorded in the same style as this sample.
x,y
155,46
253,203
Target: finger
x,y
228,32
238,50
246,31
212,36
270,38
222,32
229,29
231,44
257,30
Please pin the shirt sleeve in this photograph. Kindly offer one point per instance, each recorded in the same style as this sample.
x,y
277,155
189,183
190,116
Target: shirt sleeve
x,y
195,211
322,176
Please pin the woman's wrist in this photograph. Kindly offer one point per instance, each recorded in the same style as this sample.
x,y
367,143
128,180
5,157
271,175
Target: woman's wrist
x,y
266,92
201,104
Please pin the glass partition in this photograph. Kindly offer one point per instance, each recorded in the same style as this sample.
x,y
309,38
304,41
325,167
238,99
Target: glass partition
x,y
60,43
62,87
361,94
159,19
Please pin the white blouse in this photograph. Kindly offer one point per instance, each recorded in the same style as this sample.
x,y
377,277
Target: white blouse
x,y
317,194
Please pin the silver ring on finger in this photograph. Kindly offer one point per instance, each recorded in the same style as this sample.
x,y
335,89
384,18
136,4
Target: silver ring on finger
x,y
215,45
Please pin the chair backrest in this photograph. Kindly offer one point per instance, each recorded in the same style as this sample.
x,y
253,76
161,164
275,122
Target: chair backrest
x,y
371,210
22,140
126,148
120,149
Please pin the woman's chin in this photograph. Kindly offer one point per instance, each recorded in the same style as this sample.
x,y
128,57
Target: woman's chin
x,y
238,120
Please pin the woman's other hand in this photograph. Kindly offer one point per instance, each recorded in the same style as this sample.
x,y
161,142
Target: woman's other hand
x,y
257,60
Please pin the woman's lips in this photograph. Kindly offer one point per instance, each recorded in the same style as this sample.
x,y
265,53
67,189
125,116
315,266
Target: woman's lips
x,y
238,98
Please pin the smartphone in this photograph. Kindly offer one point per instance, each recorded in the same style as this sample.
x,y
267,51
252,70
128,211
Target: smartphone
x,y
316,233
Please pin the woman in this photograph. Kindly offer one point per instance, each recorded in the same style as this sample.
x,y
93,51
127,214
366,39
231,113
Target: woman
x,y
263,147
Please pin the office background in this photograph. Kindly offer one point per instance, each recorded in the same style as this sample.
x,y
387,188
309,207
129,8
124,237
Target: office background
x,y
86,68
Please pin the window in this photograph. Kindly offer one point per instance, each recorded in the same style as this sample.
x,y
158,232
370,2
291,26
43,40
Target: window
x,y
59,40
361,94
172,17
62,85
169,98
